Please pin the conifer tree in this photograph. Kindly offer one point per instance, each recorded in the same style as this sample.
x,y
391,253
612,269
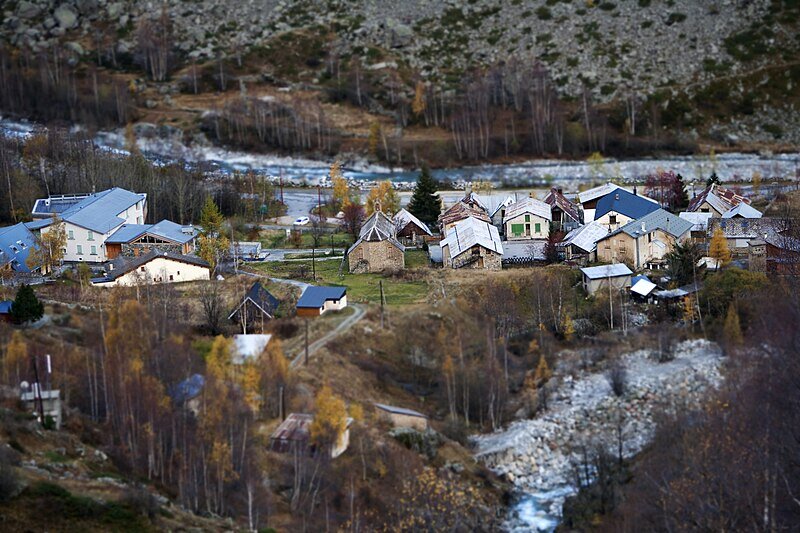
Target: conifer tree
x,y
26,306
425,204
212,243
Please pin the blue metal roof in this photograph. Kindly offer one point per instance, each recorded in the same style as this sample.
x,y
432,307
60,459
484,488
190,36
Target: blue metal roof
x,y
316,297
625,203
165,229
188,388
98,212
5,307
44,207
16,243
38,224
127,232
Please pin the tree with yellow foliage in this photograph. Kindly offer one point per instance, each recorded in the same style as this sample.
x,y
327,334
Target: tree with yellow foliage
x,y
543,372
718,248
420,103
385,196
16,356
732,329
341,191
374,137
567,327
756,181
49,250
330,419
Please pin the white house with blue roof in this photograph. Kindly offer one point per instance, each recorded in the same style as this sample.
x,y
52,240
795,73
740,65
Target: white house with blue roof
x,y
619,207
90,221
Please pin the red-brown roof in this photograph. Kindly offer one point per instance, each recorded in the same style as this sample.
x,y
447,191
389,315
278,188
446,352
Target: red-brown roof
x,y
714,194
462,211
557,199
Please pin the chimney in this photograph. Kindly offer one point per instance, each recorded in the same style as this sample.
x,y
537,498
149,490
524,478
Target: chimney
x,y
616,196
110,267
643,230
634,191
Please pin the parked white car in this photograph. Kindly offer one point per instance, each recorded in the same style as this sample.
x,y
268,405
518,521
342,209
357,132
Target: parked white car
x,y
301,221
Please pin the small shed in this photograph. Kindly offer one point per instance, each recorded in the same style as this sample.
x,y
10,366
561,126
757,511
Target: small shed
x,y
317,300
617,275
642,287
50,403
294,433
257,305
404,418
5,310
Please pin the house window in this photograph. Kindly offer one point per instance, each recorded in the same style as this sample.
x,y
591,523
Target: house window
x,y
90,236
94,250
476,251
80,250
612,219
71,235
649,237
527,218
179,272
170,277
537,227
141,269
517,229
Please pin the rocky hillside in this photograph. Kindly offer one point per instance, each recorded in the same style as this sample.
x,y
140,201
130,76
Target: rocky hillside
x,y
723,70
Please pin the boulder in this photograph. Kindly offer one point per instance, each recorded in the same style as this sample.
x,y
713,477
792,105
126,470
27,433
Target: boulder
x,y
28,10
66,16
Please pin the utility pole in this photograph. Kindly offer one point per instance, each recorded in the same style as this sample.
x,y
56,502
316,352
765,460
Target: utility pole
x,y
313,263
281,182
37,390
610,300
380,284
319,201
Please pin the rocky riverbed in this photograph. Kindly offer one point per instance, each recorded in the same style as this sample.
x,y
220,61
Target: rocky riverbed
x,y
539,455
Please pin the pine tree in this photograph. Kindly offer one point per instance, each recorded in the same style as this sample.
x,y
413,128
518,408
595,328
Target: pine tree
x,y
718,248
425,204
212,243
712,179
26,306
680,198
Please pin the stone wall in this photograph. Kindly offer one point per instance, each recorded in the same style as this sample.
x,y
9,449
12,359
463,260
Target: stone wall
x,y
138,249
375,256
485,259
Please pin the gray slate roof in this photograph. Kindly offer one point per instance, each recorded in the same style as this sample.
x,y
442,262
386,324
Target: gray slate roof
x,y
166,229
607,271
98,212
657,220
471,232
399,410
531,206
123,265
585,237
378,227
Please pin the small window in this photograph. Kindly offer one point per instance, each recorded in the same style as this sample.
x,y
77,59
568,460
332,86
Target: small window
x,y
527,218
170,277
537,227
612,219
141,269
71,235
94,250
90,236
649,237
80,250
179,272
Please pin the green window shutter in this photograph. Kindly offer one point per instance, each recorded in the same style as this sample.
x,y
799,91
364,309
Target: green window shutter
x,y
527,218
538,228
517,229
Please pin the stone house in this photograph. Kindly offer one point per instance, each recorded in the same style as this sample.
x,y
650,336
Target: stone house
x,y
739,232
472,243
565,215
527,219
716,200
377,248
403,418
643,243
459,211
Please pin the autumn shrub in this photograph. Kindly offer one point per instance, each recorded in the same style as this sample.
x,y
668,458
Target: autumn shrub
x,y
284,328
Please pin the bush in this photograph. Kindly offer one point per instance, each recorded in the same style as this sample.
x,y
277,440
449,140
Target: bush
x,y
284,328
544,13
9,481
617,376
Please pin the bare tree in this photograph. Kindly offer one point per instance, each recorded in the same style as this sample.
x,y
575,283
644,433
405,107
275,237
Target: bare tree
x,y
211,300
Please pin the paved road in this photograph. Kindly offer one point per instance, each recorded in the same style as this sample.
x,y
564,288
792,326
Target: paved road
x,y
345,325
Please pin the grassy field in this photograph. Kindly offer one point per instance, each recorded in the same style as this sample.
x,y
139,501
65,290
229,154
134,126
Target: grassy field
x,y
277,239
360,287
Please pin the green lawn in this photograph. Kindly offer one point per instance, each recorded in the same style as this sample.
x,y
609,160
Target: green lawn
x,y
277,239
360,287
